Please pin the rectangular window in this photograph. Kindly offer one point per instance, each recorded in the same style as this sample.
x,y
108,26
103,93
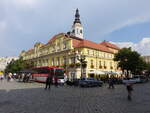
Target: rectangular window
x,y
65,61
77,31
100,64
58,61
72,60
65,45
110,63
92,66
47,62
53,62
53,48
58,47
91,62
88,52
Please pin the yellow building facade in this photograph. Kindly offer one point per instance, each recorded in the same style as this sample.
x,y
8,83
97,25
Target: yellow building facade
x,y
66,50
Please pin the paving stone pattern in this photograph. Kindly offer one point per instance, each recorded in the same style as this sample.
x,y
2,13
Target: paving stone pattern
x,y
18,97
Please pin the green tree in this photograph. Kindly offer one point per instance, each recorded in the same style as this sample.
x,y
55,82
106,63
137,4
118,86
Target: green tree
x,y
130,61
17,65
147,70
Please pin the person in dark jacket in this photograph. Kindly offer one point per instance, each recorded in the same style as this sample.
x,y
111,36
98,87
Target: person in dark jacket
x,y
56,81
111,82
129,87
48,82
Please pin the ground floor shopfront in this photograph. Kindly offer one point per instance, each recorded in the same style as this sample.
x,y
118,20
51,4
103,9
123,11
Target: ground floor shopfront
x,y
76,73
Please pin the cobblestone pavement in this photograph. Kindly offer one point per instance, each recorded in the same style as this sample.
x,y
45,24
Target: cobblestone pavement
x,y
18,97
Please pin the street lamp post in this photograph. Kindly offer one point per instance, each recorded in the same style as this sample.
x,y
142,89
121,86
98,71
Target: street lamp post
x,y
81,58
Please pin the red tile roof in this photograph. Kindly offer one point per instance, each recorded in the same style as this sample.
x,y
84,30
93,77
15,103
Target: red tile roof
x,y
78,43
90,44
54,37
30,50
108,44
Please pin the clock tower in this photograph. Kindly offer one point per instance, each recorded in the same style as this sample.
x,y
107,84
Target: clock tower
x,y
77,28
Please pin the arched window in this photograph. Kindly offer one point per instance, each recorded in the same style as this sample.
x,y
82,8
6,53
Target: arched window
x,y
104,63
81,31
100,64
77,31
91,62
53,62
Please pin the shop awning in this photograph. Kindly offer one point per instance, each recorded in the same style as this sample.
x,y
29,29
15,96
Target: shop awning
x,y
97,72
111,72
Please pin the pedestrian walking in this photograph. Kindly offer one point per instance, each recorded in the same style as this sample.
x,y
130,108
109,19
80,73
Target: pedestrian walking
x,y
2,77
19,77
28,77
111,82
129,87
48,82
25,77
9,77
56,81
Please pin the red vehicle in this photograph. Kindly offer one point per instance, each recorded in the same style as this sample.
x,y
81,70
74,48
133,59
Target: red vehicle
x,y
40,73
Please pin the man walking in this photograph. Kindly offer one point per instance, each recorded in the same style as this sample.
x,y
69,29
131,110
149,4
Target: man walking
x,y
56,81
111,82
129,89
48,82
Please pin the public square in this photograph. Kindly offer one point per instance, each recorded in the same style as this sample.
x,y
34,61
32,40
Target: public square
x,y
18,97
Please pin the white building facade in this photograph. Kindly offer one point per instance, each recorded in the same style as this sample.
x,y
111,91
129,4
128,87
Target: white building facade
x,y
4,61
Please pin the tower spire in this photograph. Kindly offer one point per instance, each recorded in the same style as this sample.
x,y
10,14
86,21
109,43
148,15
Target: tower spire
x,y
77,28
77,17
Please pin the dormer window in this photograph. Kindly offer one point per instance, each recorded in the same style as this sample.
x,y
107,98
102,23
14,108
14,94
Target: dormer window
x,y
65,45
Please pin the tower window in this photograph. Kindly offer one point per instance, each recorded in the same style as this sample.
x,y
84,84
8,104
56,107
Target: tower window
x,y
73,31
81,31
77,31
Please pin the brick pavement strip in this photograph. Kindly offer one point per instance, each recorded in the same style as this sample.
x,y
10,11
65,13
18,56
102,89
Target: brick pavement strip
x,y
18,97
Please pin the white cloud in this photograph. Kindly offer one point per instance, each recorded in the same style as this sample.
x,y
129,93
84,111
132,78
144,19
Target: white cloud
x,y
30,3
143,47
24,22
131,21
110,16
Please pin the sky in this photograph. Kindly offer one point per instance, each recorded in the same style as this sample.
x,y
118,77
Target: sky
x,y
25,22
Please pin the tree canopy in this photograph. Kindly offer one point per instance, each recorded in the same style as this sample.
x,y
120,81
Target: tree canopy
x,y
17,65
147,70
130,61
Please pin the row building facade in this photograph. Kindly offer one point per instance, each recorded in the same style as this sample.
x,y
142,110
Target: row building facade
x,y
78,56
146,59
